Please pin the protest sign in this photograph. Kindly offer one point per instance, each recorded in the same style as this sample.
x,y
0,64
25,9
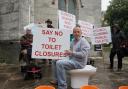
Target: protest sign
x,y
67,21
86,28
49,43
101,35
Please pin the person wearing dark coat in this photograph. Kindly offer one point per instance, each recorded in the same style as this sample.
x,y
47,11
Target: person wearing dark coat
x,y
117,38
49,23
26,45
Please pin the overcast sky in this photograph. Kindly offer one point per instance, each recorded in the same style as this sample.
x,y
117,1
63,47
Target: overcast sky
x,y
104,4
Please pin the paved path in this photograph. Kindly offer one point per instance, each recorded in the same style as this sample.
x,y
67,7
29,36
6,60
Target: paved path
x,y
10,77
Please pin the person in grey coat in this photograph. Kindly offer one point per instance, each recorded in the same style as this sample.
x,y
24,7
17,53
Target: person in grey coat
x,y
78,54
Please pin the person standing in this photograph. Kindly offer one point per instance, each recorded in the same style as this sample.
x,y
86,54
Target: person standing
x,y
26,45
117,38
78,54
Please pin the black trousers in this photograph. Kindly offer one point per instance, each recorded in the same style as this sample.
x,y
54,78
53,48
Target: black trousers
x,y
119,54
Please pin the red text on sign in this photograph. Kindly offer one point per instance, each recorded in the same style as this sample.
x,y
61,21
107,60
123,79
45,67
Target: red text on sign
x,y
50,39
47,32
47,46
50,54
58,33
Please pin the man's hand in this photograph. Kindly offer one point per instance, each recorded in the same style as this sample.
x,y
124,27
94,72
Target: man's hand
x,y
68,52
122,46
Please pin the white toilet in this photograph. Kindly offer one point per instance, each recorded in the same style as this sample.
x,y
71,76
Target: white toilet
x,y
79,77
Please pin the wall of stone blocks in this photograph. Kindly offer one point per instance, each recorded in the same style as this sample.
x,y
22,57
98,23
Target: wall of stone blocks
x,y
44,9
14,15
91,12
26,14
9,19
9,29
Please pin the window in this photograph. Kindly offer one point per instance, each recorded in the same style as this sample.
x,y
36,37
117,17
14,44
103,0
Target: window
x,y
72,6
62,5
67,5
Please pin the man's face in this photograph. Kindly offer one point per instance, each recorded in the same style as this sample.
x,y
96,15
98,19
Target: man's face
x,y
28,31
114,30
48,23
77,32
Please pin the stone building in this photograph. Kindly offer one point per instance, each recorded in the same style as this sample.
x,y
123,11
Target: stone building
x,y
15,14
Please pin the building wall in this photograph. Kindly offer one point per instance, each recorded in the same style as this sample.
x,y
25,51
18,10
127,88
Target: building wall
x,y
14,14
44,9
26,14
9,19
91,12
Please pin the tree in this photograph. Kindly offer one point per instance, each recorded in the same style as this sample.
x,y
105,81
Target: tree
x,y
117,13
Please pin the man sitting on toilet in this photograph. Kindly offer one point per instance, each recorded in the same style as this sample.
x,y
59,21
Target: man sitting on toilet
x,y
77,58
